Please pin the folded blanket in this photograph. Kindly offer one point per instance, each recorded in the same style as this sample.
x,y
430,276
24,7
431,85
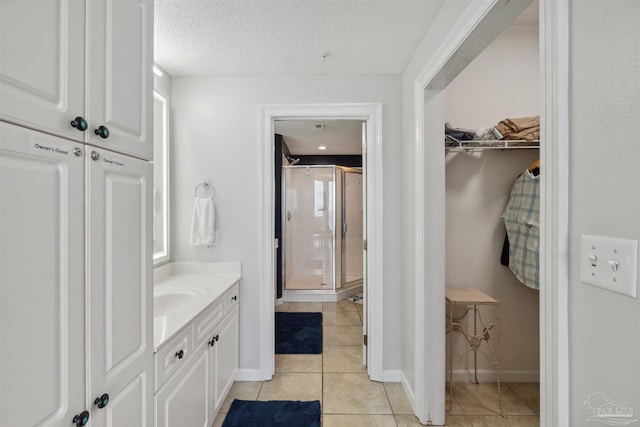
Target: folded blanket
x,y
521,128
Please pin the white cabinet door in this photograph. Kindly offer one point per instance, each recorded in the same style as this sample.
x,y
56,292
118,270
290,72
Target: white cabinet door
x,y
184,399
42,370
120,79
119,283
225,358
42,57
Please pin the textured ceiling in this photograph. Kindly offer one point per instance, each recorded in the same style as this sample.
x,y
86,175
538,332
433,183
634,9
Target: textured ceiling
x,y
339,136
242,37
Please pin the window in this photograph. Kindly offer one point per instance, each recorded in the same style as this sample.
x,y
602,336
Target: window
x,y
160,178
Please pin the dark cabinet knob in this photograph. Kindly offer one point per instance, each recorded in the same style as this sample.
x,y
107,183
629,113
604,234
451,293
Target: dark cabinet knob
x,y
81,419
102,132
180,354
79,123
214,340
102,401
234,298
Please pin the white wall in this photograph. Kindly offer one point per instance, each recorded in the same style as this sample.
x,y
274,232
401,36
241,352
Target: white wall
x,y
604,328
503,81
216,135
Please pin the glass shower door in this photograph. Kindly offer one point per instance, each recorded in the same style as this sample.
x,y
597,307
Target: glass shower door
x,y
309,224
352,228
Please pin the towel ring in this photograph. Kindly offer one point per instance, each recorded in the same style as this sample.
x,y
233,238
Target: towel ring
x,y
206,185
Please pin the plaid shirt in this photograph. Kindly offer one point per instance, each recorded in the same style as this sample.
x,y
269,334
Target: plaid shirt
x,y
522,220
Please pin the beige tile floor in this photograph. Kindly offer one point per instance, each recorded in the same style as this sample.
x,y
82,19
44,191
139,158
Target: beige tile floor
x,y
339,381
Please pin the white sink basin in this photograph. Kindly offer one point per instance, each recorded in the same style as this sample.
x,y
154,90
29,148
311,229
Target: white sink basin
x,y
182,290
169,301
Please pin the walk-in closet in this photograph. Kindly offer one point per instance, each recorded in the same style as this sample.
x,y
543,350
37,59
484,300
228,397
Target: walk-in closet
x,y
492,102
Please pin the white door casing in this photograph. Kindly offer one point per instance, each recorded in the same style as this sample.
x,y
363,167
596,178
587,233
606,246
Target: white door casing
x,y
372,115
365,311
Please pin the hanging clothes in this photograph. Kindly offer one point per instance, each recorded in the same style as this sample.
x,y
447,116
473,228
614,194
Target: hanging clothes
x,y
522,220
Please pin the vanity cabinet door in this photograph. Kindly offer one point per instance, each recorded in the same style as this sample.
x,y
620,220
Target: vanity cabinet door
x,y
119,274
42,370
224,356
184,399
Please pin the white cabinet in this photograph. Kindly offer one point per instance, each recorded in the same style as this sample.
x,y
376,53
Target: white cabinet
x,y
42,332
119,274
42,76
49,220
43,84
224,359
120,81
196,368
184,400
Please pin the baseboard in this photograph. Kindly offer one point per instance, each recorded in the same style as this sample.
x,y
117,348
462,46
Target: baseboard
x,y
489,375
408,391
320,296
392,376
248,375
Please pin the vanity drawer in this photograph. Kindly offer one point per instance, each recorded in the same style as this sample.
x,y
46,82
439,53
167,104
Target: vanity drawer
x,y
208,320
172,355
232,297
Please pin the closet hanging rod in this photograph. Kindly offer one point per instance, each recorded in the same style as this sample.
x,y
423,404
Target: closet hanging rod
x,y
521,147
490,145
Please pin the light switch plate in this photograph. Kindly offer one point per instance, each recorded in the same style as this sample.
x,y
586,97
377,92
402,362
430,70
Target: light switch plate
x,y
609,263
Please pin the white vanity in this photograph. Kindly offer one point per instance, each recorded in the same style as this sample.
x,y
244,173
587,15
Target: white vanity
x,y
196,308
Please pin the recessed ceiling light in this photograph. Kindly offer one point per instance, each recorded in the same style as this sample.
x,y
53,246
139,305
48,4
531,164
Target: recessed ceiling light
x,y
322,147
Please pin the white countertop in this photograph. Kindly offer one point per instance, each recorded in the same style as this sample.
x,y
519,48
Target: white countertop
x,y
184,290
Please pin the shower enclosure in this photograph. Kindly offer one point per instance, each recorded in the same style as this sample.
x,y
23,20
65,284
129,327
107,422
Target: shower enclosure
x,y
323,232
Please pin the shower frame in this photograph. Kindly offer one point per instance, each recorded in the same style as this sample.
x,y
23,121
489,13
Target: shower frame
x,y
325,295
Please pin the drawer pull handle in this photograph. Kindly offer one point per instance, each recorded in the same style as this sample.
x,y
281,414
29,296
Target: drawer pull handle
x,y
234,298
180,354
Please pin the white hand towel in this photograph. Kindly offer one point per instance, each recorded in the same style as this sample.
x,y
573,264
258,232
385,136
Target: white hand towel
x,y
203,222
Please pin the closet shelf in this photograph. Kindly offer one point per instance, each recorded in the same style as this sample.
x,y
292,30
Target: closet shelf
x,y
452,144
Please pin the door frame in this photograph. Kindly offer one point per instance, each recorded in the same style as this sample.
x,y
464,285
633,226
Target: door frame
x,y
371,113
477,27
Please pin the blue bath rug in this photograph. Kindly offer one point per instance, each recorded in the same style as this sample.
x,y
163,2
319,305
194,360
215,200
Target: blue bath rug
x,y
298,333
275,413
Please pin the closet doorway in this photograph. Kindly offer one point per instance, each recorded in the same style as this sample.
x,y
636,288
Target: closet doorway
x,y
484,157
476,31
369,118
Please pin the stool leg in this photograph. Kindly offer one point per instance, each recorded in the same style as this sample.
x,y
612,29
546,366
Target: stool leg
x,y
475,351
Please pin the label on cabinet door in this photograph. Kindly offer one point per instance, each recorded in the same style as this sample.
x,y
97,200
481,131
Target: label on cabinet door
x,y
112,164
51,149
108,161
